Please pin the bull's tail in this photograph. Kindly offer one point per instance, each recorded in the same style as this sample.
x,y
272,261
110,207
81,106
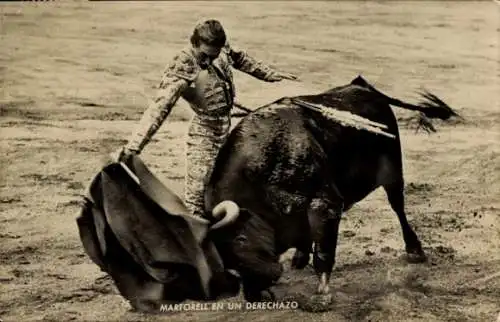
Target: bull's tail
x,y
431,107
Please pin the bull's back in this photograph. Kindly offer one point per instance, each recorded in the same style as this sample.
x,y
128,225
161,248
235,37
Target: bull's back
x,y
268,147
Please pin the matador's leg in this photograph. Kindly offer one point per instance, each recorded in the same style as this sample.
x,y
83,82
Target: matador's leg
x,y
200,155
202,147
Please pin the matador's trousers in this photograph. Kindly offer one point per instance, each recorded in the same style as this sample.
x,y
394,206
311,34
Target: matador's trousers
x,y
206,135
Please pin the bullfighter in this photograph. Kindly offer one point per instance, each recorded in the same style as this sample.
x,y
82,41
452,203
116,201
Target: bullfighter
x,y
202,75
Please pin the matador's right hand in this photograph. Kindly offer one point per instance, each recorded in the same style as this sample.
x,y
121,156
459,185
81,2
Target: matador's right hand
x,y
123,154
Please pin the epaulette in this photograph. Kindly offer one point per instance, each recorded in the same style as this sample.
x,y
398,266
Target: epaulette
x,y
234,54
230,49
226,48
183,65
225,55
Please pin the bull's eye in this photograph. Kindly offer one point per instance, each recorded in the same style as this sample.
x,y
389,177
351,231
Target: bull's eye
x,y
241,238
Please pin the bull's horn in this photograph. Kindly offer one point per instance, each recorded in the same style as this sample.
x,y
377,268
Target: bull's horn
x,y
229,209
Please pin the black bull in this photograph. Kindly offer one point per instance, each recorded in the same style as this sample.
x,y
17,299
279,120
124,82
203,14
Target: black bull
x,y
289,173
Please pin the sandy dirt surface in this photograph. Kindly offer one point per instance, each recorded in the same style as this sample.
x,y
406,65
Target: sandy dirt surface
x,y
76,76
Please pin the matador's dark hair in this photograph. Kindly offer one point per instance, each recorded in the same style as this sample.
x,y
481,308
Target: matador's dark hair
x,y
209,32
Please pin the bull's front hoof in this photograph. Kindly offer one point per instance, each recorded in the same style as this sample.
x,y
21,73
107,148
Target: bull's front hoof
x,y
416,257
262,296
267,296
317,303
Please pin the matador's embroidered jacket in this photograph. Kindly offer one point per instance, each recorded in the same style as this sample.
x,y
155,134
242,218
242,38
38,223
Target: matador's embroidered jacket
x,y
210,93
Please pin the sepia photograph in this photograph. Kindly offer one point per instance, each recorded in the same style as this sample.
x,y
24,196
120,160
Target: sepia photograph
x,y
250,161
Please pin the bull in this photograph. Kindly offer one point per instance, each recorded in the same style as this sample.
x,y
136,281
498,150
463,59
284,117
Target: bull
x,y
286,174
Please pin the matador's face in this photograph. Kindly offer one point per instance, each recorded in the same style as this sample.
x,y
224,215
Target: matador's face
x,y
206,54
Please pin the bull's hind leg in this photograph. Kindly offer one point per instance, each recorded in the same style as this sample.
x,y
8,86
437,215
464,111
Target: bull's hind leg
x,y
395,195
